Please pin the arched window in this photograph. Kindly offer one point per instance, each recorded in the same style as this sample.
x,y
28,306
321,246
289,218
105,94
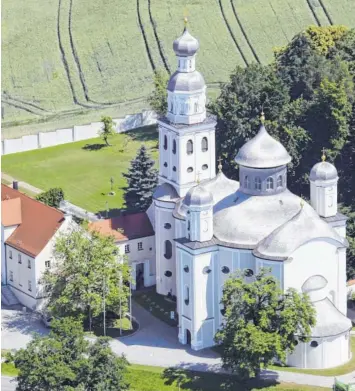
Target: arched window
x,y
187,295
257,183
174,147
189,147
165,142
186,269
188,225
246,182
204,144
172,107
181,108
168,249
196,107
279,181
270,183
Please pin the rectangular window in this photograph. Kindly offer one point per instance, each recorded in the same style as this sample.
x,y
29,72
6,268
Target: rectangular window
x,y
29,286
10,254
11,276
19,258
126,249
29,263
140,246
47,264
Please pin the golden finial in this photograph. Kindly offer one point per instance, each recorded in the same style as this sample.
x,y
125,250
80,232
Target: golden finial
x,y
262,117
185,17
219,164
323,156
198,178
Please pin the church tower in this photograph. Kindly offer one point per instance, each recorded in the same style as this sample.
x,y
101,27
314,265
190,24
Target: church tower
x,y
186,132
324,182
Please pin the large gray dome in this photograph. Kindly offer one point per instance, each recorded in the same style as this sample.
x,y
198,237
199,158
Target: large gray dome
x,y
198,196
262,151
186,45
323,171
182,81
166,192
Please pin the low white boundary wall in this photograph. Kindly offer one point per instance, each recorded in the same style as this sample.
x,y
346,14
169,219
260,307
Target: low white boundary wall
x,y
77,133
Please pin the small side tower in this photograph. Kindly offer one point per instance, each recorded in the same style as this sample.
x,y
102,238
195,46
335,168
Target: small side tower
x,y
199,218
324,188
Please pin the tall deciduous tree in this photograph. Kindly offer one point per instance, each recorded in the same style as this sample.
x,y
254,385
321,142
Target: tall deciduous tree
x,y
142,179
261,323
87,269
65,361
107,130
158,99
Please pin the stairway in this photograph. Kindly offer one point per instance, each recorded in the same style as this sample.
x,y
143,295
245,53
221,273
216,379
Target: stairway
x,y
7,296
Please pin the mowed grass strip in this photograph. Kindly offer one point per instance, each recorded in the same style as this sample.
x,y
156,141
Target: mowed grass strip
x,y
148,378
83,169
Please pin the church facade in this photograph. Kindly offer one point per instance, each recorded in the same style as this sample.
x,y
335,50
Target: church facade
x,y
208,226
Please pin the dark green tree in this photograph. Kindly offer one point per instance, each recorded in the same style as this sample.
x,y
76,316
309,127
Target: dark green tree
x,y
65,361
106,370
261,323
108,129
142,179
52,197
158,99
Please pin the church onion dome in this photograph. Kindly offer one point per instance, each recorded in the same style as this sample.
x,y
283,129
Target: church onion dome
x,y
300,229
262,151
323,171
186,45
198,196
165,192
186,82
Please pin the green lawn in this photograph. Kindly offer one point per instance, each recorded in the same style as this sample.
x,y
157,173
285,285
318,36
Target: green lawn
x,y
63,61
147,378
157,304
83,169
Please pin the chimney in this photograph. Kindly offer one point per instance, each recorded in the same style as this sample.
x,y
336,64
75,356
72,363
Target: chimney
x,y
15,185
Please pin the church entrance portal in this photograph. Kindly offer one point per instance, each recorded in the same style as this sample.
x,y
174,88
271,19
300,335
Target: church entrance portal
x,y
188,337
139,276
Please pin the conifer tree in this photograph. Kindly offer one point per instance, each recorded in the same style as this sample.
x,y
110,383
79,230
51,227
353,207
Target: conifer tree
x,y
142,179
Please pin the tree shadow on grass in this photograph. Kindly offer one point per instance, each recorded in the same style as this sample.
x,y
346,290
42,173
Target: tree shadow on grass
x,y
94,147
143,134
192,379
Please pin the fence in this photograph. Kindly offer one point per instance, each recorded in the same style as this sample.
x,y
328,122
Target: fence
x,y
77,133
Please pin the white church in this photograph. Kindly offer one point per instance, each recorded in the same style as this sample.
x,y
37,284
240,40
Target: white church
x,y
207,226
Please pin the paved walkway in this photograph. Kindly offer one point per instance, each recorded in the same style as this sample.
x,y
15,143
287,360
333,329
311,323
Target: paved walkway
x,y
154,344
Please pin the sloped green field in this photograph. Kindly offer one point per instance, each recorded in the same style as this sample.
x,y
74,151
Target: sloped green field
x,y
65,58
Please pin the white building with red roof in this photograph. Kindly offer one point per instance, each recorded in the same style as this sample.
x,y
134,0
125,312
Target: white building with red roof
x,y
28,232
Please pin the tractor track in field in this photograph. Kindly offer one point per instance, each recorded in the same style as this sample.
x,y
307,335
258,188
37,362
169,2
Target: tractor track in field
x,y
330,20
310,6
160,46
231,33
19,106
244,33
65,61
141,26
11,98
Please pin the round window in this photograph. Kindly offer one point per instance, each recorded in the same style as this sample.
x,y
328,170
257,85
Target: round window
x,y
206,270
190,169
204,167
168,273
225,269
314,344
186,269
248,272
165,164
167,225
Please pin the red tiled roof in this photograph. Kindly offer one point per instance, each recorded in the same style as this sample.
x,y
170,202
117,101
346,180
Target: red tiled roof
x,y
39,222
134,226
11,212
350,283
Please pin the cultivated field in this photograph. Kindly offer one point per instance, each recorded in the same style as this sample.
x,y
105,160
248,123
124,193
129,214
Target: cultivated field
x,y
83,169
67,58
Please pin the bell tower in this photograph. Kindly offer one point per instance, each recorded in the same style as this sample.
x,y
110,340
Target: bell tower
x,y
186,132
